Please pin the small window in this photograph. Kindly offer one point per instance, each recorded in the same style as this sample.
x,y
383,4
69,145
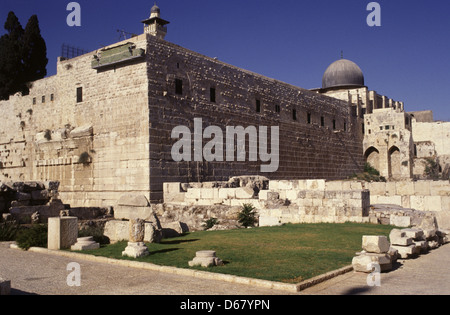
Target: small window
x,y
309,118
52,97
258,106
277,109
345,126
178,86
381,127
322,121
294,114
386,127
406,121
79,95
212,95
178,65
334,124
43,99
34,100
363,129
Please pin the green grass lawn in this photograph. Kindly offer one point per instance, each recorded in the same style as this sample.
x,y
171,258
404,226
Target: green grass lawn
x,y
290,253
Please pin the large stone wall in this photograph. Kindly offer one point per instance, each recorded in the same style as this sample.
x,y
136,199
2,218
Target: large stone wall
x,y
97,148
306,150
117,139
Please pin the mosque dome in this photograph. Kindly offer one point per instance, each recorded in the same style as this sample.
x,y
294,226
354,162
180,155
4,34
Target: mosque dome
x,y
155,9
343,73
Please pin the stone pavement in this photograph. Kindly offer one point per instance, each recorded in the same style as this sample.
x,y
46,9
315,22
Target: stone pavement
x,y
38,273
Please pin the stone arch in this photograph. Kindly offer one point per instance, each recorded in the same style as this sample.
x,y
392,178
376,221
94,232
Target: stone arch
x,y
372,157
394,163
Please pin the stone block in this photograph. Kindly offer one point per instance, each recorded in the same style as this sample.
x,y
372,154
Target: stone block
x,y
398,237
83,131
230,193
406,252
133,200
414,233
5,287
400,221
206,258
375,244
315,184
404,188
136,250
62,232
269,221
245,193
364,261
85,243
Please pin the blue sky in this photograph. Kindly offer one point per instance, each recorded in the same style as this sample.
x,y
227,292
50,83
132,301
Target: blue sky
x,y
407,58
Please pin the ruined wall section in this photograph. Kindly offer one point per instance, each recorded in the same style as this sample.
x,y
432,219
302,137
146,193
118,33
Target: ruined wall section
x,y
95,144
307,150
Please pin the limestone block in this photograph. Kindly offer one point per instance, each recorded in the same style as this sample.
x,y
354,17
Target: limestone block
x,y
5,287
135,250
133,200
414,233
206,258
421,246
229,193
362,263
85,243
117,230
137,231
83,131
406,252
315,184
62,232
269,221
429,233
244,193
404,188
400,221
193,193
375,244
398,237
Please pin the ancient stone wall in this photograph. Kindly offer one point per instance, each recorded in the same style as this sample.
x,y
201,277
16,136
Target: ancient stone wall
x,y
329,146
86,128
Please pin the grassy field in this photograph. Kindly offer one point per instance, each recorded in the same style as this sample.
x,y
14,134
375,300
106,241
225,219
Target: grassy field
x,y
290,253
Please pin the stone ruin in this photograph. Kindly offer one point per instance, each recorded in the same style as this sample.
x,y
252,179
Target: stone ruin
x,y
402,244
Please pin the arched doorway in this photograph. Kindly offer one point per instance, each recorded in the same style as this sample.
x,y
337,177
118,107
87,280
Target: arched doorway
x,y
394,163
372,156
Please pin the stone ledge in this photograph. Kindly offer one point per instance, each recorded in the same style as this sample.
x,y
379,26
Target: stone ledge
x,y
294,288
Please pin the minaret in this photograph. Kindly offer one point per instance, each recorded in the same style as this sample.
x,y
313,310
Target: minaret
x,y
154,25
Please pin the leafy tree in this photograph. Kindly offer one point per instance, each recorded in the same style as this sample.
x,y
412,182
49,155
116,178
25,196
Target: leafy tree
x,y
22,56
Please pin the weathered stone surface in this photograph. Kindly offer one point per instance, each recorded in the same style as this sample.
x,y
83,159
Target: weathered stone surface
x,y
398,237
62,232
117,230
406,252
85,243
375,244
136,250
133,200
414,233
362,262
83,131
400,221
137,231
206,258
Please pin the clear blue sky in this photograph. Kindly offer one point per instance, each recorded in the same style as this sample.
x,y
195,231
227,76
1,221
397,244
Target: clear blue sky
x,y
407,58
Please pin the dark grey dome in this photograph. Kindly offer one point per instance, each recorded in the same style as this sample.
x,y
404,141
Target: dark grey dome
x,y
343,73
155,9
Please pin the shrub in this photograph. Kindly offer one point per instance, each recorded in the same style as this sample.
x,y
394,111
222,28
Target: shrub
x,y
247,216
210,223
8,231
84,158
371,170
35,236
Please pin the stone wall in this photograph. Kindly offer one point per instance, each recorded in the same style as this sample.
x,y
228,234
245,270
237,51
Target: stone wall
x,y
106,132
296,201
96,146
307,150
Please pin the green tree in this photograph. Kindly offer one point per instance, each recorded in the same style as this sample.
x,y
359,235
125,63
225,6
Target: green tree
x,y
22,56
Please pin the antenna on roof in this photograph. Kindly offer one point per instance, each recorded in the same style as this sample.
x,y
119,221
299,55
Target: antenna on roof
x,y
123,35
342,54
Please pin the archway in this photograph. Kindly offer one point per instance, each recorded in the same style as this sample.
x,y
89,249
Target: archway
x,y
372,156
394,163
